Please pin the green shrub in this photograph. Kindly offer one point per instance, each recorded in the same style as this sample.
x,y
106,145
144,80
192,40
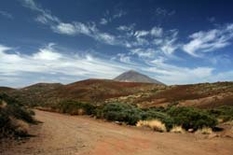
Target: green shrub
x,y
75,108
152,114
121,112
224,112
191,118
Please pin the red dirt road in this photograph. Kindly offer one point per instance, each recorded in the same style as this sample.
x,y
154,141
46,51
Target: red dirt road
x,y
78,135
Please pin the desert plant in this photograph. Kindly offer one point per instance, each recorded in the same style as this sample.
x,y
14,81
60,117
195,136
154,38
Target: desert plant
x,y
121,112
224,113
13,117
177,129
159,114
205,130
155,125
191,118
75,108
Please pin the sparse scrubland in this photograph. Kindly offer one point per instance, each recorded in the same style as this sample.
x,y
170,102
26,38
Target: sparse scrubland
x,y
171,117
129,103
61,133
14,118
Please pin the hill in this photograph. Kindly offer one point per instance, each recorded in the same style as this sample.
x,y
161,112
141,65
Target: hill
x,y
133,76
91,91
35,94
99,91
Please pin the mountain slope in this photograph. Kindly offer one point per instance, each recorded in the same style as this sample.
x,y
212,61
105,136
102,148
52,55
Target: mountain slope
x,y
203,95
133,76
98,90
91,91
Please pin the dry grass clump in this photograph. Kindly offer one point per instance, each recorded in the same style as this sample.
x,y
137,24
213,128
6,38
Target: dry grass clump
x,y
156,125
21,127
177,129
205,130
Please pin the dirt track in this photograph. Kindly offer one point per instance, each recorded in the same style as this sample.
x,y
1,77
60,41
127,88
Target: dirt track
x,y
71,135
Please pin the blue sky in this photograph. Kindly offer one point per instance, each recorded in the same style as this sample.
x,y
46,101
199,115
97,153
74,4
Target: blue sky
x,y
175,42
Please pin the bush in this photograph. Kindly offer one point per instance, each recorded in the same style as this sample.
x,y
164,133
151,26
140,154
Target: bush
x,y
224,112
11,113
155,125
75,108
190,118
177,129
151,114
120,112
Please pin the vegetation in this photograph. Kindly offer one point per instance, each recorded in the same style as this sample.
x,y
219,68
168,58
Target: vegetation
x,y
191,118
13,117
158,114
75,107
155,125
186,117
171,117
225,113
120,112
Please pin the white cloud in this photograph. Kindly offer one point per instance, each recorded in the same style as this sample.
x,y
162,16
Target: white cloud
x,y
156,31
209,41
47,55
126,28
31,4
144,53
169,45
47,61
65,28
42,19
73,28
123,58
106,38
103,21
171,74
6,14
3,48
141,33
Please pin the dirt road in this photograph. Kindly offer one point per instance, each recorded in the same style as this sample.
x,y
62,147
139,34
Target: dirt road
x,y
79,135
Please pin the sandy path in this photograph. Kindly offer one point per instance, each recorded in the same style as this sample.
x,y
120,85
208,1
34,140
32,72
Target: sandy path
x,y
71,135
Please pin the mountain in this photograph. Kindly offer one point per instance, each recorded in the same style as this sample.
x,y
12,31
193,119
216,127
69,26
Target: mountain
x,y
133,76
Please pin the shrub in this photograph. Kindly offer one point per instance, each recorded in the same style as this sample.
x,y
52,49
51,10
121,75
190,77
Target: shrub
x,y
190,118
13,117
205,130
225,113
156,125
157,114
177,129
75,107
121,112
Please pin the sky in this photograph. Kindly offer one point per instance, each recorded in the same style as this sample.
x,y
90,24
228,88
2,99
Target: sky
x,y
173,41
